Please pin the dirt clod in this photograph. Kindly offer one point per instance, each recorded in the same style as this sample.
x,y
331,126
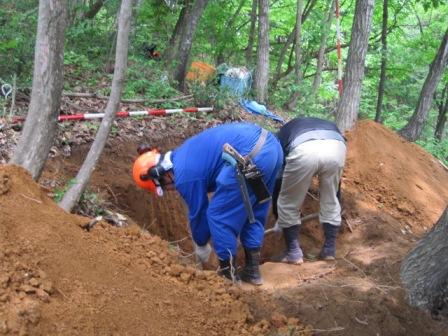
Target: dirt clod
x,y
4,184
278,320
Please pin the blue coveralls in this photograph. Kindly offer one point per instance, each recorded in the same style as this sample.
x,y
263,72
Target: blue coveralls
x,y
199,169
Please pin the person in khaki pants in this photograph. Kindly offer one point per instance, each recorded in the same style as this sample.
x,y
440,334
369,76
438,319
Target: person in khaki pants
x,y
312,147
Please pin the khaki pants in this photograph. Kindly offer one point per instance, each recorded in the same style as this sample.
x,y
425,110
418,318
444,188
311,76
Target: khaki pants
x,y
324,158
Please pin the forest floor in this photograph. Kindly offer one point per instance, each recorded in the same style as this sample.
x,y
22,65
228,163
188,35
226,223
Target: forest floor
x,y
58,278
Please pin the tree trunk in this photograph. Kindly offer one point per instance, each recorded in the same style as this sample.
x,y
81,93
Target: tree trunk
x,y
172,47
326,23
443,111
41,122
414,128
93,9
424,271
298,61
73,195
186,42
281,58
251,37
347,111
379,102
262,70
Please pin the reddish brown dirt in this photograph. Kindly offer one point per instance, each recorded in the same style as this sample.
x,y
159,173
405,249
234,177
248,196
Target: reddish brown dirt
x,y
395,177
58,279
393,192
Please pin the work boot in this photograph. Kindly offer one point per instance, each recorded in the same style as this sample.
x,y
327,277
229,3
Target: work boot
x,y
328,251
293,254
251,270
228,270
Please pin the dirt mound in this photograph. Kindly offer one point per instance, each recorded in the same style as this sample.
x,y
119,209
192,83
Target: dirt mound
x,y
394,176
56,278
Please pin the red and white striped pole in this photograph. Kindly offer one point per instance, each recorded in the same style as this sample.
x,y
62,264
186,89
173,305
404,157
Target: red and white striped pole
x,y
123,114
338,47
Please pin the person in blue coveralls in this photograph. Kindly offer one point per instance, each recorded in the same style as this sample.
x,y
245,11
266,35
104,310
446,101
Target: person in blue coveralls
x,y
197,168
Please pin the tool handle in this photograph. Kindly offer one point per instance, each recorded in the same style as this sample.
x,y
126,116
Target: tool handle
x,y
229,158
227,148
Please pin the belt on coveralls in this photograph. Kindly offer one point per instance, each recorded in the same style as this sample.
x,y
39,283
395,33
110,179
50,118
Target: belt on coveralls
x,y
260,142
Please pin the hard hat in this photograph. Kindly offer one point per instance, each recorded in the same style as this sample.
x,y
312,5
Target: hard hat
x,y
141,168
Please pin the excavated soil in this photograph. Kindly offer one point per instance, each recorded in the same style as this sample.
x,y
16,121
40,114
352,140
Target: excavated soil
x,y
57,278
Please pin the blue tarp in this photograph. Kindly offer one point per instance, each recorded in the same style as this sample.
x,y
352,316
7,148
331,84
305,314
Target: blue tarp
x,y
255,108
237,86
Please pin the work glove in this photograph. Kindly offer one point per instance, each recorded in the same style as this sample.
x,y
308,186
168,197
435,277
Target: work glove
x,y
203,252
276,228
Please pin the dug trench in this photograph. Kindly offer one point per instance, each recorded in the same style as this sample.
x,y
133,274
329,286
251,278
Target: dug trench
x,y
393,193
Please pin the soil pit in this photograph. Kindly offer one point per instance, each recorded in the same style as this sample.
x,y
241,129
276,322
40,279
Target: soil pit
x,y
384,176
393,192
165,217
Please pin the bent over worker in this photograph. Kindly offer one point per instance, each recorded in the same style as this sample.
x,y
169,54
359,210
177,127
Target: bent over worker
x,y
312,147
197,168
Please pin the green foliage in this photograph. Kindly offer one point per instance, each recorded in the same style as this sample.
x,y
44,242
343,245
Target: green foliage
x,y
60,192
436,148
210,94
415,32
148,79
81,62
90,203
18,20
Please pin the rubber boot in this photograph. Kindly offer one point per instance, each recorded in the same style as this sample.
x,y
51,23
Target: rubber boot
x,y
293,254
328,251
251,270
228,270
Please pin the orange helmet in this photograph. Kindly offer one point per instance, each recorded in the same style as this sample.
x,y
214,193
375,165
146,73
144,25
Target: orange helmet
x,y
141,167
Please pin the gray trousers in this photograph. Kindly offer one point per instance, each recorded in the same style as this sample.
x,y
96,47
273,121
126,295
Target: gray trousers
x,y
324,158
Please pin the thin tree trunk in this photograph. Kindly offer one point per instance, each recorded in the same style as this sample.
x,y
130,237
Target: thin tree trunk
x,y
379,102
109,67
73,7
281,57
41,122
326,23
414,127
186,42
220,58
278,69
424,272
73,195
298,61
251,38
347,111
262,70
443,111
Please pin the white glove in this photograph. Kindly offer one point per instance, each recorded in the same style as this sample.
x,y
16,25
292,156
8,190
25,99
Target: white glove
x,y
203,252
276,228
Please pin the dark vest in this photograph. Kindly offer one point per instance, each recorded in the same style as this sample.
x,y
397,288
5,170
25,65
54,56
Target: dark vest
x,y
300,130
